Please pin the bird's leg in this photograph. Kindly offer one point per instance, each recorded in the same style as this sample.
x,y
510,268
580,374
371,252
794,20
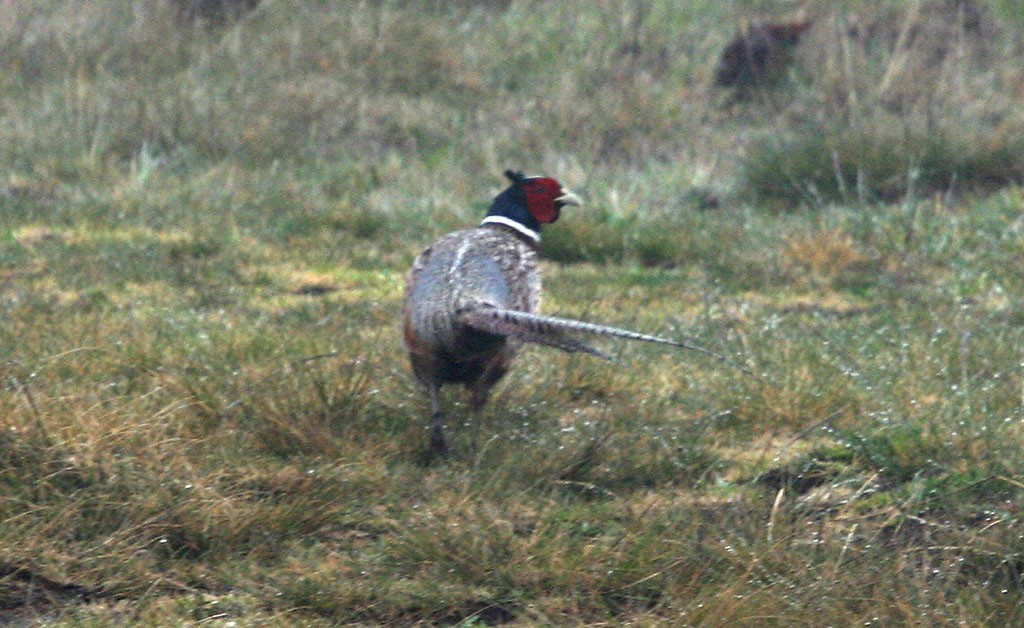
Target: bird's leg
x,y
438,444
481,392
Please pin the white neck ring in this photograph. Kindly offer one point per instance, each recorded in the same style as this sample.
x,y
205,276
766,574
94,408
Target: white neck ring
x,y
501,220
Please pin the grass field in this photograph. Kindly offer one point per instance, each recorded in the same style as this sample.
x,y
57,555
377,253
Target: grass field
x,y
207,418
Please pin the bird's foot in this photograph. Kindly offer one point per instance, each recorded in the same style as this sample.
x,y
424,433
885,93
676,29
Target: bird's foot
x,y
438,444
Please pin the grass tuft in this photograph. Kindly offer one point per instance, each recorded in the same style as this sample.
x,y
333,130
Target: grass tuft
x,y
873,161
901,102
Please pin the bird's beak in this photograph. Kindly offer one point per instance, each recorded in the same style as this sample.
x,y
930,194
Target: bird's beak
x,y
568,198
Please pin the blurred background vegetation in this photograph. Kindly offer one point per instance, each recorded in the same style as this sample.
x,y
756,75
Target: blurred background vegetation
x,y
878,91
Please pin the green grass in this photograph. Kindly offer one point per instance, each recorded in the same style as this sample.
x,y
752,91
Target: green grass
x,y
206,414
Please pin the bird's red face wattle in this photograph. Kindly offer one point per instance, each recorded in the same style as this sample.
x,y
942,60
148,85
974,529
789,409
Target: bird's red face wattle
x,y
545,198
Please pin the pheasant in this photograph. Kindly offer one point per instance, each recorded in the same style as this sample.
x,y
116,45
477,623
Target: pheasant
x,y
759,56
472,298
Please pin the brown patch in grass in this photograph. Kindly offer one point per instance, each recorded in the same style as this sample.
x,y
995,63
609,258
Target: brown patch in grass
x,y
315,288
822,254
26,594
831,259
38,234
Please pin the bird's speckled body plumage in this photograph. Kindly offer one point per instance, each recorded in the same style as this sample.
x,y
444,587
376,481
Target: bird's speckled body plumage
x,y
492,266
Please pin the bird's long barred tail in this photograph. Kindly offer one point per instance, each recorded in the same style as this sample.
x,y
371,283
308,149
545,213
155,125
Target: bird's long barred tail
x,y
551,330
527,328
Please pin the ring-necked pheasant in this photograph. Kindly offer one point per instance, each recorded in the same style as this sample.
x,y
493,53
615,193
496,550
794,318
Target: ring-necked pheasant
x,y
472,298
